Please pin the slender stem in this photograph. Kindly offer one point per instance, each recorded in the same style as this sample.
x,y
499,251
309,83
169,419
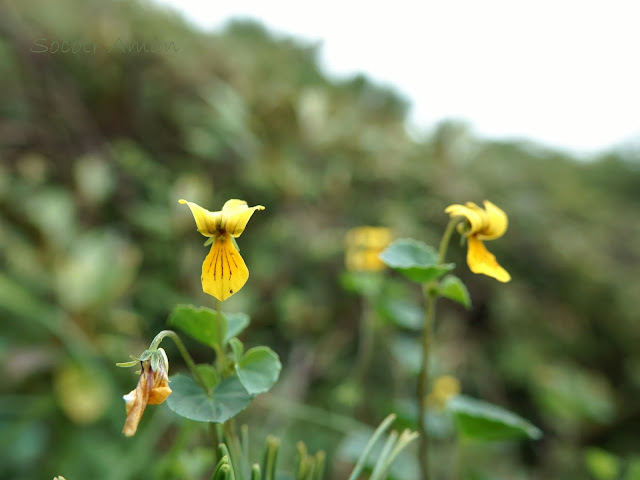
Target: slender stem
x,y
431,297
423,379
221,356
215,441
183,351
446,237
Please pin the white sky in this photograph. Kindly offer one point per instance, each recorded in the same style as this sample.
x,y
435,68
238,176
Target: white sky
x,y
565,73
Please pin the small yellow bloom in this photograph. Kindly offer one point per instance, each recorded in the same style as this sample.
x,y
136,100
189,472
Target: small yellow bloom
x,y
223,271
484,224
152,389
364,244
444,388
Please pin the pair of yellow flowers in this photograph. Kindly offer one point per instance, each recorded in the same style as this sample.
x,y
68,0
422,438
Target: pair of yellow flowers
x,y
224,271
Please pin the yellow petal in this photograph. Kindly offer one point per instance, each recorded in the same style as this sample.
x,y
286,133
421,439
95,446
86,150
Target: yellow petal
x,y
158,395
480,260
223,271
474,214
497,222
375,238
236,215
207,222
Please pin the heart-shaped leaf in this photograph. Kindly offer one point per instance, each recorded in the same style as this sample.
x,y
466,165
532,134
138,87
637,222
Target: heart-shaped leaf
x,y
189,400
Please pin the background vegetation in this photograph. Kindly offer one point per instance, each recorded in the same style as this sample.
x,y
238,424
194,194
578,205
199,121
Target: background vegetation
x,y
97,146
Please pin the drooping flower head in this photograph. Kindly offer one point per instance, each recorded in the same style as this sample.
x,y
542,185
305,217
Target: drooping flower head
x,y
223,271
152,389
486,223
363,245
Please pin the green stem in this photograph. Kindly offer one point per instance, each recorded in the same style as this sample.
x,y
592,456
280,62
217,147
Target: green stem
x,y
430,292
221,355
183,351
423,379
446,237
215,440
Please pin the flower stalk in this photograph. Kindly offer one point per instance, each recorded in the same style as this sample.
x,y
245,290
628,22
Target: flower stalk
x,y
183,351
430,292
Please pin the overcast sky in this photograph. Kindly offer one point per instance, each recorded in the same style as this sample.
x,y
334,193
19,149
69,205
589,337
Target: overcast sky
x,y
563,73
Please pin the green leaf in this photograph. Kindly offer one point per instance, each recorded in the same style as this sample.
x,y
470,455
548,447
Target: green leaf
x,y
208,374
452,288
189,400
415,260
484,421
258,369
237,348
633,469
236,323
199,323
601,464
402,313
362,283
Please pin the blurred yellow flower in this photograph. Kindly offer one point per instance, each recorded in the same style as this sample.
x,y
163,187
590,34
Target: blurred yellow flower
x,y
444,388
223,271
152,389
364,244
483,224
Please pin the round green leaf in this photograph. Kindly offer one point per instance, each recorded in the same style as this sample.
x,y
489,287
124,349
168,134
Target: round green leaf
x,y
189,400
452,288
199,323
480,420
258,369
415,260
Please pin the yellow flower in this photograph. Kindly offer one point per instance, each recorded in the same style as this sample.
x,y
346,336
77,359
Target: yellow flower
x,y
444,388
484,224
152,389
364,244
223,271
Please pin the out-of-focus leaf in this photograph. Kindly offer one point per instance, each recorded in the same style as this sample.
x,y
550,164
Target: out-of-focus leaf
x,y
203,324
415,260
362,283
484,421
573,394
602,465
451,287
402,313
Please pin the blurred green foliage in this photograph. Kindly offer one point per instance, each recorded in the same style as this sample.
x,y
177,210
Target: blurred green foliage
x,y
97,146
